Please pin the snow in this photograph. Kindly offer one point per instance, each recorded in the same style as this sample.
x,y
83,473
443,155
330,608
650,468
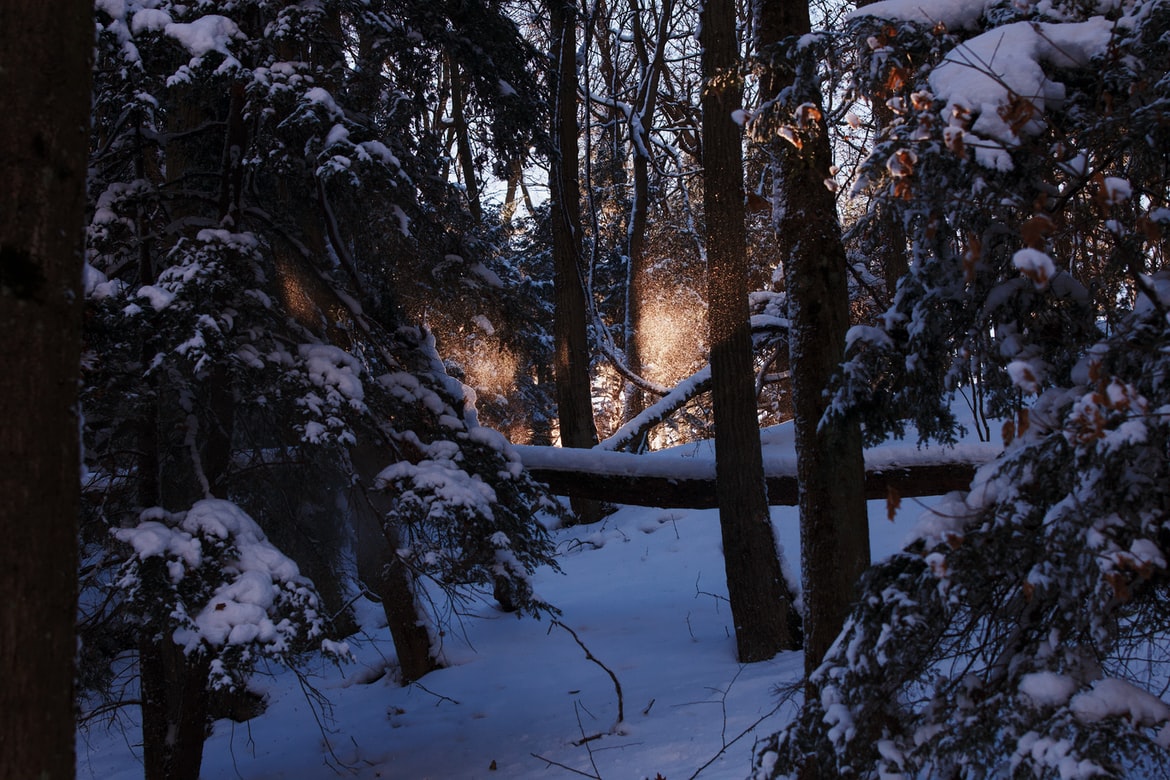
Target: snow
x,y
997,78
403,220
149,20
158,298
681,390
490,277
1036,265
1115,191
484,324
335,371
379,150
115,8
319,96
336,135
448,482
695,461
1024,375
151,538
1158,285
1047,689
1055,753
238,612
644,591
954,14
942,522
837,715
205,34
97,286
1113,698
870,334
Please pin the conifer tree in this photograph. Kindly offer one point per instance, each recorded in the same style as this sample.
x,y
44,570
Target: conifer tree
x,y
1020,634
267,226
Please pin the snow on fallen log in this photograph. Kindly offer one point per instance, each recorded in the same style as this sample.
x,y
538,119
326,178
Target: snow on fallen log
x,y
685,476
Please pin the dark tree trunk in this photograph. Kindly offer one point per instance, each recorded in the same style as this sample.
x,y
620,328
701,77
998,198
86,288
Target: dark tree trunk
x,y
667,490
463,143
834,536
759,601
174,709
175,696
402,610
147,477
380,567
511,195
220,420
651,63
887,238
45,51
571,360
639,273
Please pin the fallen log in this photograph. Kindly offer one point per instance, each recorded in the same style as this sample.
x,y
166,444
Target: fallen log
x,y
677,482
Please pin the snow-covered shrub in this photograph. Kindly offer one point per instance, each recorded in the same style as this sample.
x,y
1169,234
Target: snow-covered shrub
x,y
996,155
462,508
456,527
1022,631
210,581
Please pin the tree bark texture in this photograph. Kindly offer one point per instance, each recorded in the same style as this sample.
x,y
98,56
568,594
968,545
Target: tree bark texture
x,y
571,348
377,541
755,585
174,709
834,536
783,490
45,62
463,143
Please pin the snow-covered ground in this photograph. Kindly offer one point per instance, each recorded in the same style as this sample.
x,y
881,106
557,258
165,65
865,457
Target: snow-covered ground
x,y
644,591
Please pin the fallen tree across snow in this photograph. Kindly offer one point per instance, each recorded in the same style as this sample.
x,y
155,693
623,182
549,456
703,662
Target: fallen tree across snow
x,y
675,479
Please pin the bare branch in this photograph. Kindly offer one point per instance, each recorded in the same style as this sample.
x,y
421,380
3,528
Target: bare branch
x,y
617,686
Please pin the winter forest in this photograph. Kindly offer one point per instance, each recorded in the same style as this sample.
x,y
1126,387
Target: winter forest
x,y
376,366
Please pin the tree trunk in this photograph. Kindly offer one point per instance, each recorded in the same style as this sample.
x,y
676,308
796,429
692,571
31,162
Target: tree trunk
x,y
667,489
887,237
571,361
174,709
759,601
378,564
639,271
834,535
174,686
403,612
511,194
219,420
45,51
463,144
641,121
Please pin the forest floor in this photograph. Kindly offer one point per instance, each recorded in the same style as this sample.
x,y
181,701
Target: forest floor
x,y
643,591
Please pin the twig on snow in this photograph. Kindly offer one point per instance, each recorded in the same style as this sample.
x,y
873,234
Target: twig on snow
x,y
441,698
550,762
621,717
